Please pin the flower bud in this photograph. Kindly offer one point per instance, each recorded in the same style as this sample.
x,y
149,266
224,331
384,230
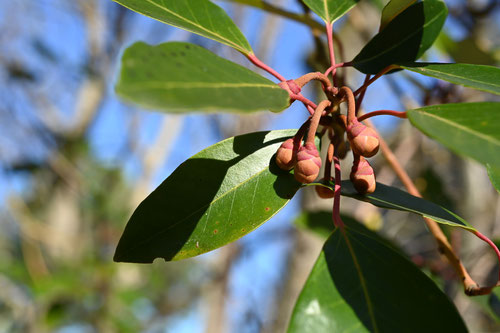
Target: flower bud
x,y
364,141
324,192
362,176
308,163
284,156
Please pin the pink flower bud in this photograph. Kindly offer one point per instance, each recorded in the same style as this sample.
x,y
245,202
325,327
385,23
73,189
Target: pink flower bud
x,y
308,163
285,158
364,141
362,176
324,192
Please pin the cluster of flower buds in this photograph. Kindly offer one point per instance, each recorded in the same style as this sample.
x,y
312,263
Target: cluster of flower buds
x,y
306,161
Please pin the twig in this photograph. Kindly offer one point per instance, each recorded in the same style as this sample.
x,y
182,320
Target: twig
x,y
471,288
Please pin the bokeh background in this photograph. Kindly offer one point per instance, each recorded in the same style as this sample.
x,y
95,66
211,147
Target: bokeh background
x,y
75,161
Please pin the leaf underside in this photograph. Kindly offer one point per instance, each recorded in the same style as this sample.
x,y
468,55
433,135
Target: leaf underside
x,y
480,77
330,10
201,17
468,129
359,284
180,77
215,197
393,9
404,39
389,197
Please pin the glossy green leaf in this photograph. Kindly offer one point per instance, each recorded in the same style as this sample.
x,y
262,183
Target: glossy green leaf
x,y
330,10
405,38
393,9
469,129
359,284
494,174
215,197
177,77
201,17
392,198
480,77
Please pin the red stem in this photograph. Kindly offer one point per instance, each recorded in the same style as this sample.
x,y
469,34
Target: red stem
x,y
490,243
304,100
341,64
337,220
399,114
382,72
315,120
362,95
257,62
329,33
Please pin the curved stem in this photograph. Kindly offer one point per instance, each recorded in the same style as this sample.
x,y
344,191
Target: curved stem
x,y
257,62
351,103
382,72
305,100
491,244
318,76
399,114
315,119
341,64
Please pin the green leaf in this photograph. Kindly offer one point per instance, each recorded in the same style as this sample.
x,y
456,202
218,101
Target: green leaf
x,y
494,174
393,9
468,129
392,198
481,77
359,284
215,197
330,10
178,77
404,39
201,17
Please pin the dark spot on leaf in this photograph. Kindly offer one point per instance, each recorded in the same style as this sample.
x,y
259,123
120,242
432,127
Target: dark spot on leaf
x,y
216,222
187,47
242,229
267,209
173,54
216,231
163,54
178,64
183,54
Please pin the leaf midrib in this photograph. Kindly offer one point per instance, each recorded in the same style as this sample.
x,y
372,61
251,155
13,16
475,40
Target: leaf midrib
x,y
433,217
403,41
362,281
213,33
195,211
424,69
207,85
456,125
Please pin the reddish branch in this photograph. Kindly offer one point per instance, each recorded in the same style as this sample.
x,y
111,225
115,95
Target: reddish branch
x,y
257,62
399,114
471,288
